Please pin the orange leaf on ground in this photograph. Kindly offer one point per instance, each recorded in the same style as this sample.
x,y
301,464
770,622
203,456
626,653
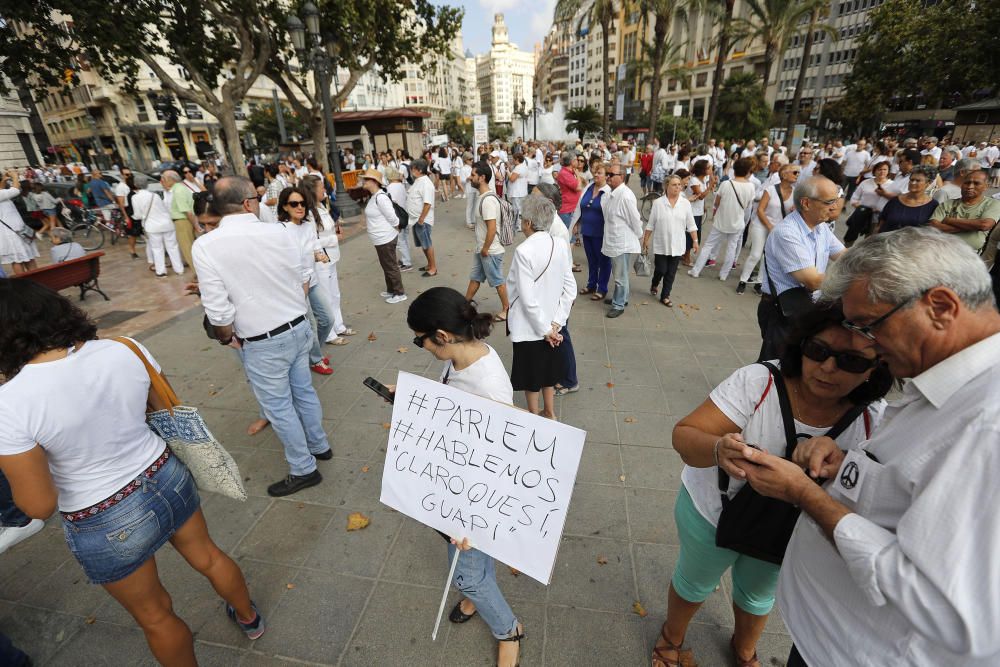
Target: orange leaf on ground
x,y
630,420
516,573
639,609
621,478
357,521
402,350
290,586
602,560
365,468
386,425
372,336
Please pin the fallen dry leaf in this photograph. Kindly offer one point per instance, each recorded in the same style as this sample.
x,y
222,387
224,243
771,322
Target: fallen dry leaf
x,y
402,350
300,505
639,609
290,586
386,425
602,560
621,478
607,365
644,303
90,620
357,521
365,468
630,419
718,307
372,337
516,573
610,385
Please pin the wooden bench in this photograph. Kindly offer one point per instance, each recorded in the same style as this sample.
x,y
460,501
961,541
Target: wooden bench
x,y
81,272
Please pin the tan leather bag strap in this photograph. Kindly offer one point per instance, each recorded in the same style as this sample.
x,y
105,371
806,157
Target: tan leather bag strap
x,y
159,387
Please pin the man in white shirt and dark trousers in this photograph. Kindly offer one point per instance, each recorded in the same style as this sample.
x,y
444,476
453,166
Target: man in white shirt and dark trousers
x,y
487,260
896,560
253,287
856,158
622,231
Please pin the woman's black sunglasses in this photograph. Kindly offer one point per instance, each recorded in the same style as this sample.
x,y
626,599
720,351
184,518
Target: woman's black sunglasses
x,y
419,340
846,361
295,203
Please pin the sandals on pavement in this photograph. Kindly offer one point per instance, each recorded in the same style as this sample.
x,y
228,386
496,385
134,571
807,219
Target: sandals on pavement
x,y
685,656
516,637
597,297
348,332
587,290
338,341
459,616
667,302
500,317
740,662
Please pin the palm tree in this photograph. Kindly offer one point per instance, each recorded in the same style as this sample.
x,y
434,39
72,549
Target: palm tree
x,y
819,10
773,22
602,12
583,120
725,43
664,13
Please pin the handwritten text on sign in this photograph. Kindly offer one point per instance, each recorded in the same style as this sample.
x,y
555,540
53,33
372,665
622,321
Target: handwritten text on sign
x,y
472,467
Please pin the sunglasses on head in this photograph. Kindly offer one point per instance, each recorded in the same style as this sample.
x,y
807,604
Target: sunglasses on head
x,y
850,362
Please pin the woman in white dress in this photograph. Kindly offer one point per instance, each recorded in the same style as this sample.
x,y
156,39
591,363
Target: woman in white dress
x,y
327,256
15,249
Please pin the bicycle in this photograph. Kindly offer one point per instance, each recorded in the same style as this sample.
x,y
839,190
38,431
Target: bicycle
x,y
96,225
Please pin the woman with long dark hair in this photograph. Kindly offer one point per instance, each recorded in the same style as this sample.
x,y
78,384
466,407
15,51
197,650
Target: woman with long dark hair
x,y
89,454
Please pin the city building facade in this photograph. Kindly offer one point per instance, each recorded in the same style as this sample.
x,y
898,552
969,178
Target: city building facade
x,y
17,143
505,78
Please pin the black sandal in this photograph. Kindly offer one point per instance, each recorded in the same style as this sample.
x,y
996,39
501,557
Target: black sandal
x,y
459,616
517,637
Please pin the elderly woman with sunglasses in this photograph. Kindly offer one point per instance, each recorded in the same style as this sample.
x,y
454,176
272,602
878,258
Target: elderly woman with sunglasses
x,y
831,376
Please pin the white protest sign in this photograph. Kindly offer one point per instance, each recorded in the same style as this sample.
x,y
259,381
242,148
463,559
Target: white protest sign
x,y
472,467
480,129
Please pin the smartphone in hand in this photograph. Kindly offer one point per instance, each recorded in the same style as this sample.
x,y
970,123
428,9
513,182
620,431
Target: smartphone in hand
x,y
379,389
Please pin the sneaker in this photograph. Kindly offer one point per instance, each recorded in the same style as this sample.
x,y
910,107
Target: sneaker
x,y
396,298
325,456
757,290
692,273
11,535
710,262
293,484
385,295
321,369
741,288
255,628
562,391
405,267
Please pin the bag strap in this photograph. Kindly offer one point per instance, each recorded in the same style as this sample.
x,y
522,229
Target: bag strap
x,y
737,195
787,418
161,388
848,418
781,202
17,234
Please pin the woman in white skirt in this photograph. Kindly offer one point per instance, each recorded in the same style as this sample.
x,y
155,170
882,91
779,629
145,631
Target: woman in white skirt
x,y
328,254
15,250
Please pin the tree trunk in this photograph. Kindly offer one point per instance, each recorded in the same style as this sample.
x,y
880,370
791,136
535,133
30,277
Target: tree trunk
x,y
793,115
720,61
227,119
605,29
317,130
659,48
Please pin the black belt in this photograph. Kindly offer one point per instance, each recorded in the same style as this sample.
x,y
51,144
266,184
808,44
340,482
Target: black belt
x,y
276,330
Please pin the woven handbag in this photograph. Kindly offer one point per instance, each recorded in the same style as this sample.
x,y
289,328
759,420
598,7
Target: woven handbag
x,y
188,437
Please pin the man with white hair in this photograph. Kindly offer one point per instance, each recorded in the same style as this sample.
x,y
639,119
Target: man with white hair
x,y
896,559
622,231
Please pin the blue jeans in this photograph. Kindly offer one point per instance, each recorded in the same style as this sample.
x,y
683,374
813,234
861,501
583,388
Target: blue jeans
x,y
278,369
10,515
10,654
320,314
569,358
476,578
620,267
566,218
598,266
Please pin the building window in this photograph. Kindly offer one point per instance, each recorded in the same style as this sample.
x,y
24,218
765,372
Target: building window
x,y
701,80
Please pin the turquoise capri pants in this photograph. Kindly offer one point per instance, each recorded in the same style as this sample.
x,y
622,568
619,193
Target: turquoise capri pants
x,y
701,564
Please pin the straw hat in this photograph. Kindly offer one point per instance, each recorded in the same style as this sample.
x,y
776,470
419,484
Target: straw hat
x,y
373,174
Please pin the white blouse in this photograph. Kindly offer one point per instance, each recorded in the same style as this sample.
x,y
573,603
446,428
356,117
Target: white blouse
x,y
670,224
380,219
326,236
865,195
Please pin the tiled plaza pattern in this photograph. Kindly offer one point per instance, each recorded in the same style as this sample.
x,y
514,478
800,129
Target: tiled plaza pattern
x,y
369,597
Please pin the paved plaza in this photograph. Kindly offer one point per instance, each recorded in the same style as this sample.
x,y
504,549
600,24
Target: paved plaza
x,y
369,597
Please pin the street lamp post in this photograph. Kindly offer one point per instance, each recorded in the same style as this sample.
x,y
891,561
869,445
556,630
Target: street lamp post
x,y
319,55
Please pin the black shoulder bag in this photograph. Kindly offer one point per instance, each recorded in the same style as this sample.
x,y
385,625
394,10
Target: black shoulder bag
x,y
753,524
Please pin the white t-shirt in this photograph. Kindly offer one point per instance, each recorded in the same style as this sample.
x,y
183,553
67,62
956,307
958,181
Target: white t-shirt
x,y
443,165
484,377
698,206
533,169
734,198
153,212
464,173
855,161
519,187
736,398
121,190
547,176
421,192
88,412
489,206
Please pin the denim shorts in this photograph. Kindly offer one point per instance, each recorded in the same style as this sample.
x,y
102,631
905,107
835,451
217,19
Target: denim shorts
x,y
422,235
115,542
487,269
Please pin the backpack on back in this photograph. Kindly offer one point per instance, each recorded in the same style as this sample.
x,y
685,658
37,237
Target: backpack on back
x,y
507,220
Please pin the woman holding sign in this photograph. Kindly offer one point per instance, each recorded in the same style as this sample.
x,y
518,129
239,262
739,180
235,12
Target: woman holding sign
x,y
824,396
450,328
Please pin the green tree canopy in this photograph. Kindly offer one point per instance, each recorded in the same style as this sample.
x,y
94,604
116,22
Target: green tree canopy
x,y
263,123
458,128
743,112
687,129
583,120
943,52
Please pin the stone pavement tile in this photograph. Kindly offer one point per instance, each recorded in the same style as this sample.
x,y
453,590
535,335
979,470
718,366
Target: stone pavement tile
x,y
472,643
519,586
619,337
579,580
651,515
625,355
287,533
717,356
370,408
339,476
589,344
639,399
715,376
683,398
630,320
576,637
599,424
67,590
593,373
669,354
396,626
40,633
259,468
420,556
89,646
229,425
679,377
365,492
30,562
337,403
359,552
315,619
649,429
229,520
359,441
600,464
654,565
652,467
594,395
597,511
254,659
